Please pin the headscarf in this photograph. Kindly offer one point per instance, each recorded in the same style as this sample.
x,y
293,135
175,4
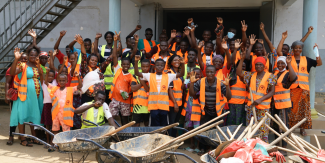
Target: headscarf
x,y
218,56
260,60
283,59
43,54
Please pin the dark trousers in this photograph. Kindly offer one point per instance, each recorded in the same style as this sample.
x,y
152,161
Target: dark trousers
x,y
173,118
158,117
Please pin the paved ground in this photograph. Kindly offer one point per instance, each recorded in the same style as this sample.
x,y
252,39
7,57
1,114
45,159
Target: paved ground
x,y
37,154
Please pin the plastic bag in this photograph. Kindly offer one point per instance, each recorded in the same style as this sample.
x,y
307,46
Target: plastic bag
x,y
233,147
259,157
124,95
231,160
245,155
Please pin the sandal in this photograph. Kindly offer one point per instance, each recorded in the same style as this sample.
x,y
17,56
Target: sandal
x,y
303,132
38,142
28,144
11,140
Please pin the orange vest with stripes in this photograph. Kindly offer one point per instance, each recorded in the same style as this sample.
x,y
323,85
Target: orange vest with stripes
x,y
118,73
196,109
147,46
74,79
266,68
238,92
68,109
260,92
158,100
156,56
302,73
21,84
282,96
183,55
219,98
177,91
140,97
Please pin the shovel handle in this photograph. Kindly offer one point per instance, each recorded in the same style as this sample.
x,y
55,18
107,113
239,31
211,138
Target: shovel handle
x,y
119,129
165,128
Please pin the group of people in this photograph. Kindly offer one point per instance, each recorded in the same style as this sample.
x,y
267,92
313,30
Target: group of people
x,y
180,79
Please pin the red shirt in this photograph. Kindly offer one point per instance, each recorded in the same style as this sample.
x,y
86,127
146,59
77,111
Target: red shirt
x,y
12,78
60,56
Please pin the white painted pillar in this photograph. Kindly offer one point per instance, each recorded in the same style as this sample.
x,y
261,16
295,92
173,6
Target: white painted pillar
x,y
114,16
310,15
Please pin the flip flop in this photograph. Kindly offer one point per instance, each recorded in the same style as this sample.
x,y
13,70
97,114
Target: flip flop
x,y
38,143
26,145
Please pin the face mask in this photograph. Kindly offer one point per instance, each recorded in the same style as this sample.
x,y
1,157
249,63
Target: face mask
x,y
231,35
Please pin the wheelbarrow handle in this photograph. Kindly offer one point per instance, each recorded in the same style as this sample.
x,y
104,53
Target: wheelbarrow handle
x,y
116,154
88,140
181,154
117,123
43,128
91,122
33,137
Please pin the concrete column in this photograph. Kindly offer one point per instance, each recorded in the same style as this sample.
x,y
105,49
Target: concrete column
x,y
310,15
114,16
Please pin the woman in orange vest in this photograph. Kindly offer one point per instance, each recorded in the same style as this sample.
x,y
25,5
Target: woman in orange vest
x,y
175,92
28,83
282,102
262,84
299,90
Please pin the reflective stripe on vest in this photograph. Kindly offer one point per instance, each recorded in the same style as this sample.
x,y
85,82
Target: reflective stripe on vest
x,y
158,100
68,109
238,92
196,110
177,92
108,74
282,96
22,84
302,73
253,65
262,88
90,117
74,79
140,97
219,99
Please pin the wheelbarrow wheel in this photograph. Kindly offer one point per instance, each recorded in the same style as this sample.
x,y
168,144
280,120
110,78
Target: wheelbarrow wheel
x,y
102,157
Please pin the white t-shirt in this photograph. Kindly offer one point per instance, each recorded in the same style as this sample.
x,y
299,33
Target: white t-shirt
x,y
46,92
171,77
105,109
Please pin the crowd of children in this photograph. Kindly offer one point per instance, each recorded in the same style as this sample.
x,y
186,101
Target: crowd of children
x,y
181,79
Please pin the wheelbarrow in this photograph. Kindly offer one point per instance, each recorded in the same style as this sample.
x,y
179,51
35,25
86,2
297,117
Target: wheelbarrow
x,y
65,142
136,150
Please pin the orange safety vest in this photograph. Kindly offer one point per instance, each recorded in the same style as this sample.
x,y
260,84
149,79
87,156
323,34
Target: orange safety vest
x,y
204,58
237,58
177,92
183,55
238,92
219,99
196,109
147,46
140,97
118,73
302,73
74,79
21,85
158,100
68,109
219,74
260,92
173,47
282,96
253,65
156,56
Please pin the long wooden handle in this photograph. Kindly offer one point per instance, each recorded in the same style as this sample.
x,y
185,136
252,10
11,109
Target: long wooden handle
x,y
257,127
298,153
246,129
253,107
234,134
165,128
316,138
119,129
222,133
229,133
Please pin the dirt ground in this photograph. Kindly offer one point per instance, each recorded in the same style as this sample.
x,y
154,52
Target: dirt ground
x,y
37,154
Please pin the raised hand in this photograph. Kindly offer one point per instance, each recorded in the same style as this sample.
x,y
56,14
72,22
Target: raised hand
x,y
76,74
201,44
98,35
136,37
224,44
227,79
237,43
187,31
32,33
192,28
65,58
310,29
193,79
138,27
315,46
220,20
243,26
62,33
260,41
47,69
189,20
17,53
285,35
181,60
78,38
50,52
117,35
55,52
76,54
137,57
173,33
288,59
262,26
252,39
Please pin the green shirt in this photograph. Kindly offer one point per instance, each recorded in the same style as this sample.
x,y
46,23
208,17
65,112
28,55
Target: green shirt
x,y
141,44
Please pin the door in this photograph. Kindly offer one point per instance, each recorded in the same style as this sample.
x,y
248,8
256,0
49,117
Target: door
x,y
266,16
147,19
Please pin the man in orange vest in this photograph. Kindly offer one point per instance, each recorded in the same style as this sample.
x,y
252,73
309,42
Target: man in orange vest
x,y
140,89
156,49
145,44
62,102
158,98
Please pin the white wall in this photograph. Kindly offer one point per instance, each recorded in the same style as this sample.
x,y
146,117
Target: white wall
x,y
129,18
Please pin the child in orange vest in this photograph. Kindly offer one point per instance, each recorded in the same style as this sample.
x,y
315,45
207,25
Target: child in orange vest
x,y
140,91
121,88
62,101
158,104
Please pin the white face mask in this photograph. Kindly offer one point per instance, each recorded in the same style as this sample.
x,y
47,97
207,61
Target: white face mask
x,y
230,35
